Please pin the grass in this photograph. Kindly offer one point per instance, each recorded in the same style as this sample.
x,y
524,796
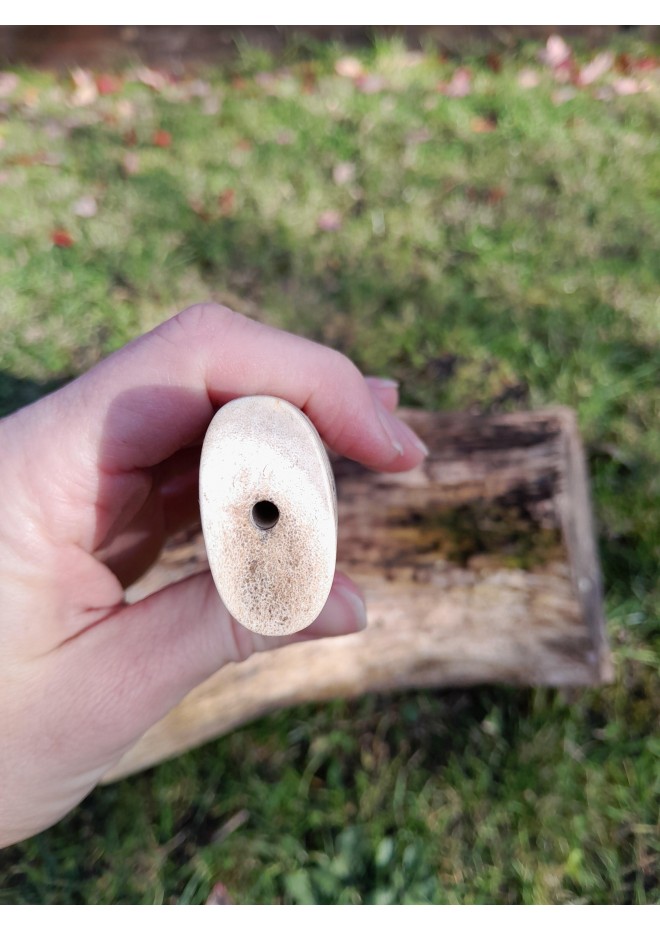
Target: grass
x,y
493,251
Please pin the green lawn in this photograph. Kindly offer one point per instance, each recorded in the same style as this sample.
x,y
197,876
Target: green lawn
x,y
495,250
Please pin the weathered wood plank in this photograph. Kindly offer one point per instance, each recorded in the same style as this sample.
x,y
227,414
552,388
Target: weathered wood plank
x,y
479,566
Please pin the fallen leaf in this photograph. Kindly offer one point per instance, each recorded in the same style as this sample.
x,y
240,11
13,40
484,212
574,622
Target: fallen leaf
x,y
85,207
646,64
343,173
108,84
559,57
489,195
219,895
329,221
624,63
483,124
596,69
528,78
460,84
227,201
130,137
495,195
494,62
625,86
349,67
156,80
244,145
61,238
130,163
309,78
8,83
286,137
162,139
85,90
556,52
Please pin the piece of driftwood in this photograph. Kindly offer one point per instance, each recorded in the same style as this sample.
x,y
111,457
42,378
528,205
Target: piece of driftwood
x,y
479,566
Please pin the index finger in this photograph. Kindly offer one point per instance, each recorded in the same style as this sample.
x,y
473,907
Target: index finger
x,y
159,393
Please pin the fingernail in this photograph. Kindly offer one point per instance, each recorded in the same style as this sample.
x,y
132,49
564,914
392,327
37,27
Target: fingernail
x,y
398,433
356,607
384,383
419,444
389,424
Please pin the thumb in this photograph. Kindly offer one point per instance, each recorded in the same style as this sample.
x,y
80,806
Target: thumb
x,y
132,668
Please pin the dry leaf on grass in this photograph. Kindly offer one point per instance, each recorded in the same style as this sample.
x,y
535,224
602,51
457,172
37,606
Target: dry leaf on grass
x,y
85,90
596,69
61,238
329,221
349,67
85,207
162,139
460,84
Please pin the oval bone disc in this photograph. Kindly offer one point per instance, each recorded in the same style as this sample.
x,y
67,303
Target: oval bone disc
x,y
269,514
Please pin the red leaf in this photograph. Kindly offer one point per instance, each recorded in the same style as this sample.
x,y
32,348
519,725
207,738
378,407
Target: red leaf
x,y
61,238
107,84
162,138
646,64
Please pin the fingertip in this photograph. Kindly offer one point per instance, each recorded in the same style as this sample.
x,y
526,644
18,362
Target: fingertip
x,y
385,390
408,448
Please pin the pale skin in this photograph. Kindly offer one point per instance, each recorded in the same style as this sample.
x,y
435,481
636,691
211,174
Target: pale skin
x,y
93,479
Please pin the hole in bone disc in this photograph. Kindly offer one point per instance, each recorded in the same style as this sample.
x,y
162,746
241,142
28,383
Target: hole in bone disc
x,y
265,515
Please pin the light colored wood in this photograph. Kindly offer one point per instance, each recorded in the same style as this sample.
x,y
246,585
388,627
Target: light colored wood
x,y
478,567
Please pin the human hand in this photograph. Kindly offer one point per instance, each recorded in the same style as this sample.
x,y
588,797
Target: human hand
x,y
93,480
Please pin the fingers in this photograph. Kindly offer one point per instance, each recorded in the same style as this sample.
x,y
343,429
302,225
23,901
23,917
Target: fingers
x,y
131,669
159,393
386,391
173,504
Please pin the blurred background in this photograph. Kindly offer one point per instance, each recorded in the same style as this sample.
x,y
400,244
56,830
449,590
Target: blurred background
x,y
473,211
